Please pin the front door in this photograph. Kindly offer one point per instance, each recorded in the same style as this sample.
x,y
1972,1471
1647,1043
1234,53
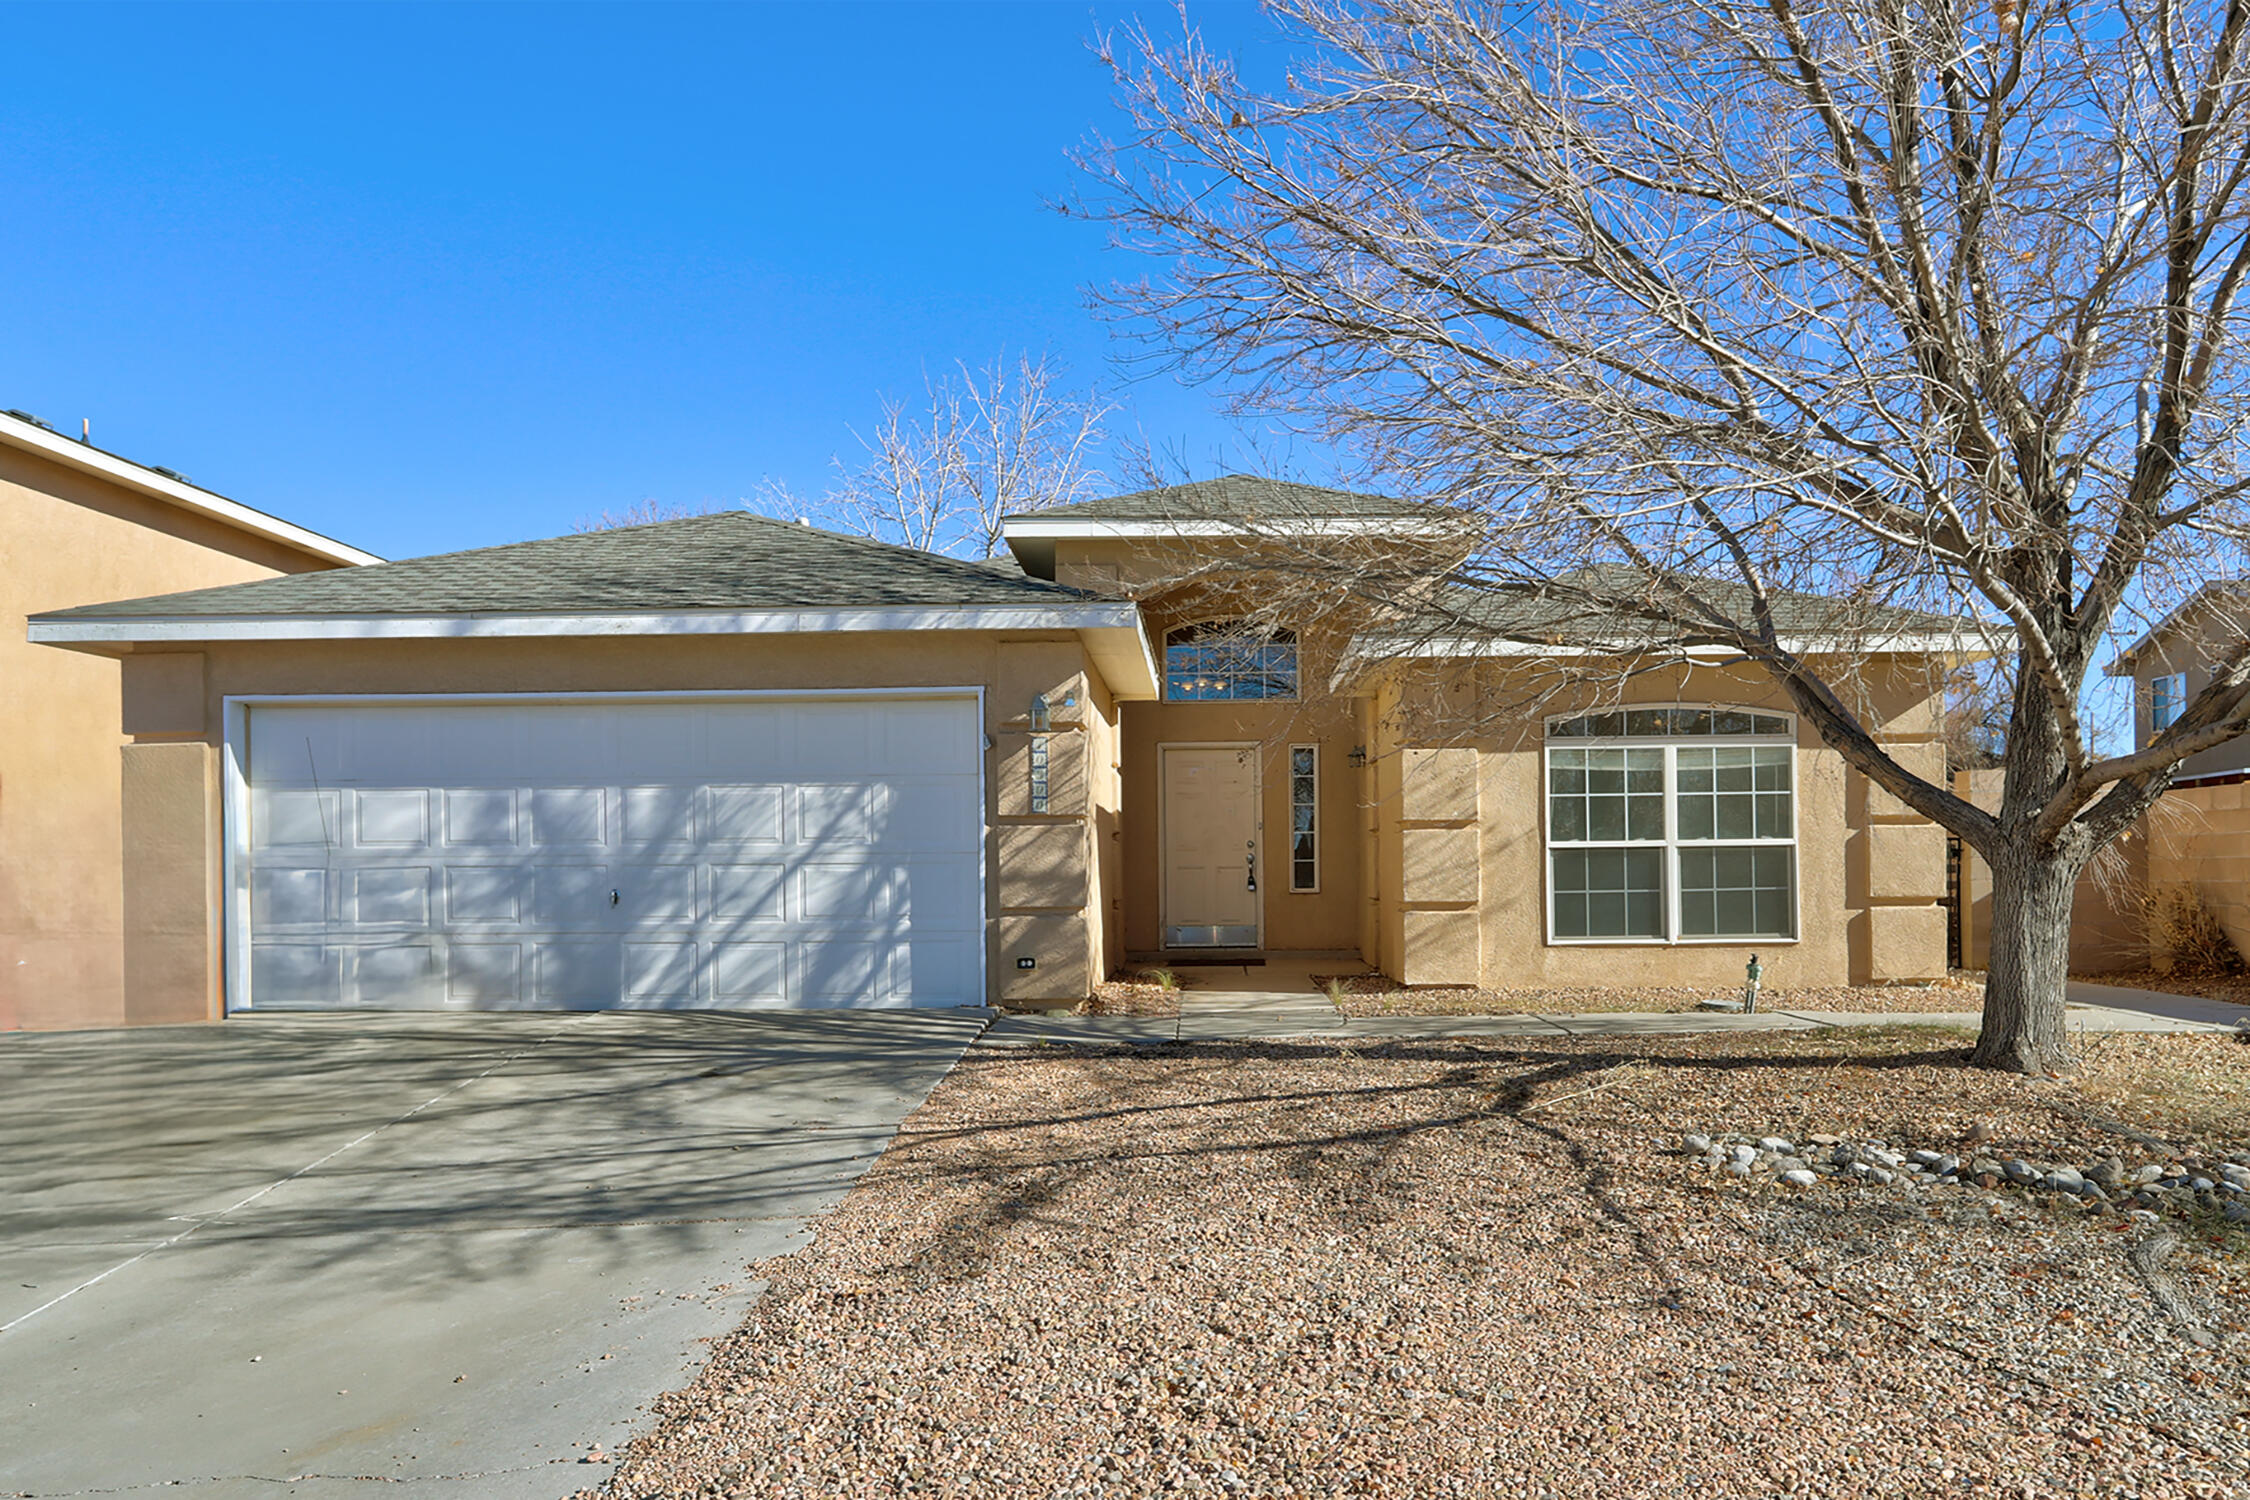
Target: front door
x,y
1211,847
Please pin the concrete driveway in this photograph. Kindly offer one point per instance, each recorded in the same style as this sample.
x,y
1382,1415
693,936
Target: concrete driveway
x,y
292,1255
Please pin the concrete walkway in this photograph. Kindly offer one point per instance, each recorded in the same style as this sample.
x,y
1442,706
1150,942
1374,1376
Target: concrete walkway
x,y
1279,1000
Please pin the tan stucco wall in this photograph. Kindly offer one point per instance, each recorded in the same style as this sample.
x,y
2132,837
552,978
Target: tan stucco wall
x,y
1870,874
66,539
2200,837
1042,899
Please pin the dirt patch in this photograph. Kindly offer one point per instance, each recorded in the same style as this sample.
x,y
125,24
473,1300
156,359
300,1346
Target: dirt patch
x,y
1378,995
1134,993
1469,1269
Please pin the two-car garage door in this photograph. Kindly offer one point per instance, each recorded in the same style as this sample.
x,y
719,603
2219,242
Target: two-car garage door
x,y
586,854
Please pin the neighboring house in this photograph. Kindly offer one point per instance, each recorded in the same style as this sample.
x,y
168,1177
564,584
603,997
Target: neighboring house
x,y
78,523
2172,663
2197,837
734,762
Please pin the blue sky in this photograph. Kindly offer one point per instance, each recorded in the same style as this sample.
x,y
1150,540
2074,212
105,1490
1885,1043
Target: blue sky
x,y
429,277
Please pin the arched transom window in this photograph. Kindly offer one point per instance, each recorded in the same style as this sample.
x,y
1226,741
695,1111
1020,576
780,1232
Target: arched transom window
x,y
1222,660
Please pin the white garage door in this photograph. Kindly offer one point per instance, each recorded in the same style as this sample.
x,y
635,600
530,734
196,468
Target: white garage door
x,y
588,854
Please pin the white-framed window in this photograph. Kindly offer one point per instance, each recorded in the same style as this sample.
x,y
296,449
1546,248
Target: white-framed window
x,y
1671,825
1304,817
2167,696
1229,661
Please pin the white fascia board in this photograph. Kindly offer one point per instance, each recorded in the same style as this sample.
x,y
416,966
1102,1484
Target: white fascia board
x,y
1086,530
1377,648
125,630
1125,660
91,460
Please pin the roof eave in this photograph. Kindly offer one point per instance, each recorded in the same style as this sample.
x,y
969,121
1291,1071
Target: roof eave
x,y
86,459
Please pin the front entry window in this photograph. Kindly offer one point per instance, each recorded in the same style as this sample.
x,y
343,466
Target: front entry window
x,y
1222,660
1671,825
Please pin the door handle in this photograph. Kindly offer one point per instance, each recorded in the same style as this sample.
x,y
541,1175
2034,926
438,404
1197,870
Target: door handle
x,y
1250,866
613,898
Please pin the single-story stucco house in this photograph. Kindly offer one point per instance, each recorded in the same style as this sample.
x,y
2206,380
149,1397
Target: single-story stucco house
x,y
734,762
79,523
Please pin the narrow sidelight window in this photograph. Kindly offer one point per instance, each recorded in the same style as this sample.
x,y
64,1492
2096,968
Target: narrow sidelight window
x,y
1304,817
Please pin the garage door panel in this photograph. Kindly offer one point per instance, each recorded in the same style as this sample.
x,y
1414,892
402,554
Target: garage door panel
x,y
833,891
829,815
839,972
285,817
743,815
391,896
657,893
394,976
931,971
661,815
476,749
762,854
749,974
835,739
284,897
484,976
933,895
383,749
918,817
578,974
485,895
392,818
933,737
740,736
661,974
480,818
571,897
310,973
567,744
749,892
563,816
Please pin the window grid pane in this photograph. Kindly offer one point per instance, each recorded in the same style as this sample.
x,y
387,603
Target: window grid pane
x,y
1219,663
1609,893
1725,867
1304,805
1738,892
1606,796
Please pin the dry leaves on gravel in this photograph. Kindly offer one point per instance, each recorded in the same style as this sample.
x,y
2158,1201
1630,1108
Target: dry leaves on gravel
x,y
1279,1269
1379,995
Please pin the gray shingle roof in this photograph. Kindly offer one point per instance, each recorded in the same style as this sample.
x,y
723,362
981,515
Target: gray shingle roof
x,y
728,560
1613,602
1233,497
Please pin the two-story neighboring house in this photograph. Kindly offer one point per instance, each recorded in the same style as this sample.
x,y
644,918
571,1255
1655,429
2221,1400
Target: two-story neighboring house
x,y
80,524
2197,837
732,762
2172,663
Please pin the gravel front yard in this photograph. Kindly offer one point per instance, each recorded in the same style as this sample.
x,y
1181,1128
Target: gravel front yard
x,y
1375,995
1453,1269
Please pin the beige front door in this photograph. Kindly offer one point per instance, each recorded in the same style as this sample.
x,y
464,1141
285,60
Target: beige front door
x,y
1211,847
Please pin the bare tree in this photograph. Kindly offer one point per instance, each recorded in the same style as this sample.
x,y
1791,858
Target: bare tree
x,y
1691,308
642,513
983,443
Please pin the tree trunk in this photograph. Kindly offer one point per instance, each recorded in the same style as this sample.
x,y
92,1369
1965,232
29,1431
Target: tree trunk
x,y
2024,985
